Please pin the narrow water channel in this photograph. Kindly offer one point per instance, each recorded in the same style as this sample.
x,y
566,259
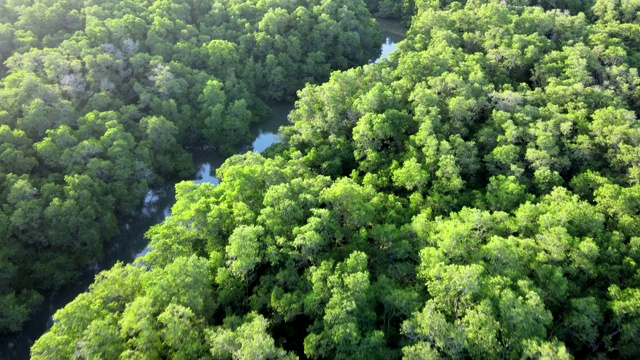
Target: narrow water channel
x,y
157,205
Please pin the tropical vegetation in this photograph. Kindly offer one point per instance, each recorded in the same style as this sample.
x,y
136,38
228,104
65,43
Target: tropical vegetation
x,y
98,101
476,195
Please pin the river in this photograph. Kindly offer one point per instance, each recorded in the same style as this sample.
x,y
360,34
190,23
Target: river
x,y
157,205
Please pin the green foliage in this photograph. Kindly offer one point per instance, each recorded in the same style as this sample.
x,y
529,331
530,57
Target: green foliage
x,y
98,101
244,339
394,9
476,195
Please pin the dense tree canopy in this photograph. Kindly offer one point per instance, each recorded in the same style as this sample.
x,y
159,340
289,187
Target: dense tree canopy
x,y
477,195
99,99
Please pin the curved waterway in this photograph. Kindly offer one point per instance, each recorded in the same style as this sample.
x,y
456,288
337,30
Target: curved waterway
x,y
157,205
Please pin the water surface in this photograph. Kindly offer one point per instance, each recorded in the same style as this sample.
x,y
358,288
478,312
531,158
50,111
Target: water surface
x,y
392,32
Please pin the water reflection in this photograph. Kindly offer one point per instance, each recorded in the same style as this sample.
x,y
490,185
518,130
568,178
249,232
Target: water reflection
x,y
393,32
265,134
205,175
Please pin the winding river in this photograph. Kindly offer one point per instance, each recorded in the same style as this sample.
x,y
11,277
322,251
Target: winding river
x,y
157,205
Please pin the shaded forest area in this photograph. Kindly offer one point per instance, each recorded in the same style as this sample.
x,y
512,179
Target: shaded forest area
x,y
476,195
98,101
